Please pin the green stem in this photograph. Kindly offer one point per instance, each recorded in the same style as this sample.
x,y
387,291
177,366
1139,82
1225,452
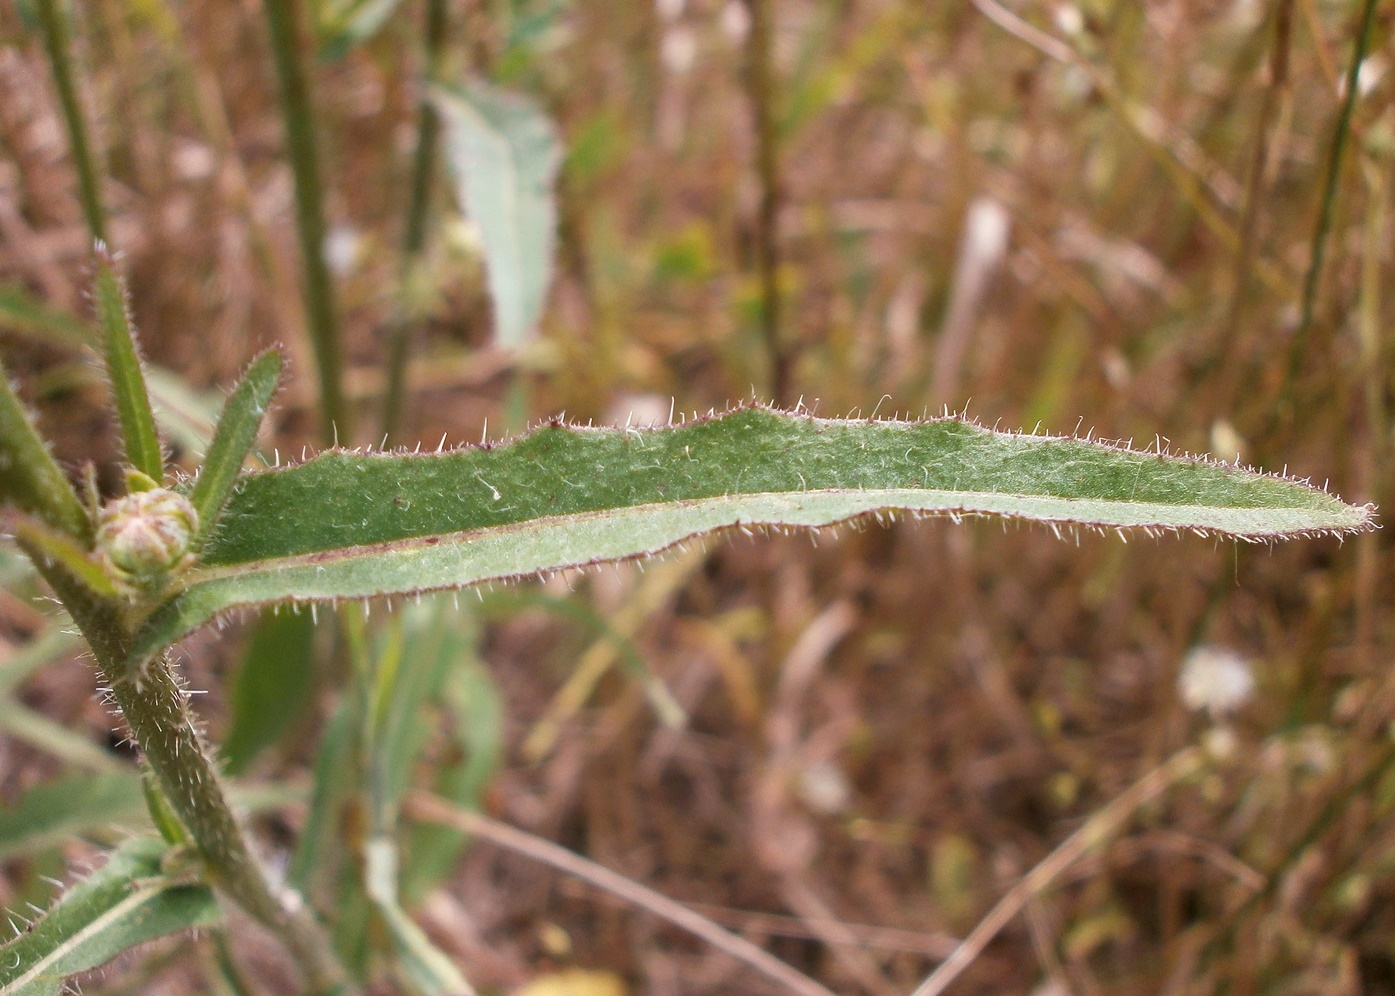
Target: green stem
x,y
1329,200
156,709
414,238
761,83
1254,195
284,20
58,42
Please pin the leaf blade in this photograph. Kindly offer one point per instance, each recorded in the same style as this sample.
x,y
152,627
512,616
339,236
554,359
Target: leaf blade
x,y
505,155
234,438
143,451
126,902
566,497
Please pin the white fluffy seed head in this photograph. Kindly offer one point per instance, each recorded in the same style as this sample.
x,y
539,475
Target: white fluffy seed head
x,y
1216,680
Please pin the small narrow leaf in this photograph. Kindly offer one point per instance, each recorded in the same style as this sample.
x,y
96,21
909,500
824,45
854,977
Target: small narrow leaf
x,y
233,439
29,476
36,539
162,814
21,311
505,153
347,525
124,367
127,902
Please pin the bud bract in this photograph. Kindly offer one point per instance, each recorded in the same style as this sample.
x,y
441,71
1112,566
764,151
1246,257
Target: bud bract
x,y
146,534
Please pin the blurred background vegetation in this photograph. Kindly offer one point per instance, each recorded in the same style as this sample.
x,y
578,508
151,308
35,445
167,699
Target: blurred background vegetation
x,y
1164,222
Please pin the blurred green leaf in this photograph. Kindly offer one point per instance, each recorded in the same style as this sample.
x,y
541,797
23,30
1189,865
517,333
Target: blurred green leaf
x,y
320,850
686,254
505,153
56,811
423,966
531,30
476,724
22,312
342,25
273,686
430,640
126,902
54,642
98,804
186,417
429,657
595,148
15,569
70,746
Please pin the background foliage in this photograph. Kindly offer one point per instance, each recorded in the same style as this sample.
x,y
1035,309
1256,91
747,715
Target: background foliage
x,y
1101,215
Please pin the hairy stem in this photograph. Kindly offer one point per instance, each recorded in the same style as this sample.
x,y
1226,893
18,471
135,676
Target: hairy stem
x,y
156,709
283,18
57,42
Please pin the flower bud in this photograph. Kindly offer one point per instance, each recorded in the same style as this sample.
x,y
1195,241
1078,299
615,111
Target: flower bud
x,y
146,534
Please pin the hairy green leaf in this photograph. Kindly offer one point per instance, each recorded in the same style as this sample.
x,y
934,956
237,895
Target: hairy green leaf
x,y
505,153
45,544
350,525
127,902
128,389
234,438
